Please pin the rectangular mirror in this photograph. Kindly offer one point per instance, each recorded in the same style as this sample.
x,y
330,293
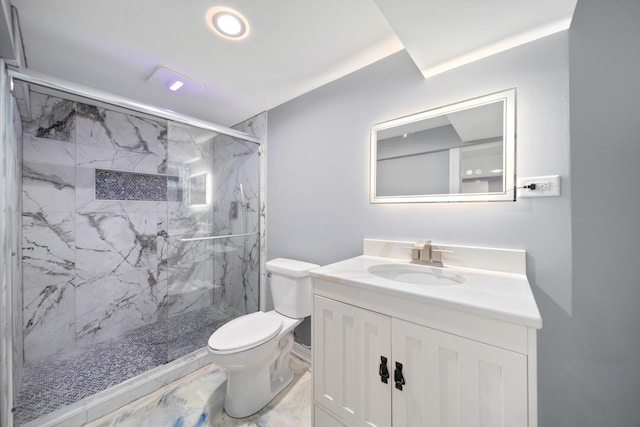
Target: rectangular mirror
x,y
457,153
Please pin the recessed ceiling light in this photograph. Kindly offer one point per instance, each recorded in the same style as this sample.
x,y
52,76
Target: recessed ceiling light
x,y
227,23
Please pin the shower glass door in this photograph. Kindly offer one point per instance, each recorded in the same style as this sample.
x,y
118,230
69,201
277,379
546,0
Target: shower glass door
x,y
210,250
139,238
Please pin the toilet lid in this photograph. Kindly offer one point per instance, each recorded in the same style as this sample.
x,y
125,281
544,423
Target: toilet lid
x,y
245,332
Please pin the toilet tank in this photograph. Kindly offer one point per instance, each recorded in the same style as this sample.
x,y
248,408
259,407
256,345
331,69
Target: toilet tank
x,y
291,286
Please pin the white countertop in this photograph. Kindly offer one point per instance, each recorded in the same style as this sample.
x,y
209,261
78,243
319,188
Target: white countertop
x,y
499,295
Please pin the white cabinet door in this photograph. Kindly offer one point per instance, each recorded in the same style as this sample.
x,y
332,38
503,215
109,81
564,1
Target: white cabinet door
x,y
454,381
347,349
322,418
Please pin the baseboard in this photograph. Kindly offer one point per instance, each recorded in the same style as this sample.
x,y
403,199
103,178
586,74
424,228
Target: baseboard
x,y
301,352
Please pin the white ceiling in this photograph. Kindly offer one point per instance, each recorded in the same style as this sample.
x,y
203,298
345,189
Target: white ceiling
x,y
440,35
294,45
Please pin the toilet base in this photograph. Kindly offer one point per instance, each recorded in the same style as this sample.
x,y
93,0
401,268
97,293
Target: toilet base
x,y
251,389
283,380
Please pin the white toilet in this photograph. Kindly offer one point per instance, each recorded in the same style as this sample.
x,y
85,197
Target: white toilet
x,y
254,348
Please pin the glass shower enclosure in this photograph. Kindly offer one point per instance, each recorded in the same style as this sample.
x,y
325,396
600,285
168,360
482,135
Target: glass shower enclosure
x,y
140,238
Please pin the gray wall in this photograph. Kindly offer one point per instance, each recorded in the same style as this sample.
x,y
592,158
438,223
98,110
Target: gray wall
x,y
594,379
318,166
589,347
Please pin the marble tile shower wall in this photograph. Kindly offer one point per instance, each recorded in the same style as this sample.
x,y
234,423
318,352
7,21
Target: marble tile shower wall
x,y
90,266
94,269
48,182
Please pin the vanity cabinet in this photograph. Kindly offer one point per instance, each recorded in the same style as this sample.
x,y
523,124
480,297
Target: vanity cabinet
x,y
347,344
451,381
381,360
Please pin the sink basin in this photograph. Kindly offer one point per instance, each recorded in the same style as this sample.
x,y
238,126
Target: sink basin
x,y
416,274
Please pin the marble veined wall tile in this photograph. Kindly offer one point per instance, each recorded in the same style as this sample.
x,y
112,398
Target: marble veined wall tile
x,y
49,314
226,258
109,158
162,149
110,129
116,269
187,144
48,175
188,222
190,276
243,289
111,243
162,243
256,126
52,118
234,275
48,282
111,305
48,248
48,203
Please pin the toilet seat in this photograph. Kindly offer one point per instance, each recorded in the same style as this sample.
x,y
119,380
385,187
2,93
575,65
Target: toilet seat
x,y
245,332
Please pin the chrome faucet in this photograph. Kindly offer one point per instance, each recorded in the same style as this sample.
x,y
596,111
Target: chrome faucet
x,y
423,252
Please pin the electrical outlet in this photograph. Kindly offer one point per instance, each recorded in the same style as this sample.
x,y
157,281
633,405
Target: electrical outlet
x,y
545,186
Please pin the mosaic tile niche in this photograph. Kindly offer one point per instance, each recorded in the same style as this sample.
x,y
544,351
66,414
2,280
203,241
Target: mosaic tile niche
x,y
118,185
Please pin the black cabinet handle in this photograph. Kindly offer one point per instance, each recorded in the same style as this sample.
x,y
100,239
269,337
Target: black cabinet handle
x,y
398,377
383,371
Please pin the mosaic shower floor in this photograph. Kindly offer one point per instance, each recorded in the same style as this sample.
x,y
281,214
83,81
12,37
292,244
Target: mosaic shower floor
x,y
197,401
60,380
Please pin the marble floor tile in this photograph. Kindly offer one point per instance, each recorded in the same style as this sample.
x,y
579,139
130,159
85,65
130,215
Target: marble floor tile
x,y
197,401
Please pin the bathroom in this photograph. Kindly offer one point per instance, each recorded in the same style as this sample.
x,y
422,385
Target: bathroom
x,y
577,91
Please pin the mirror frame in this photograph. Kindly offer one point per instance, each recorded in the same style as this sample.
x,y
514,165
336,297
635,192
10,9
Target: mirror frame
x,y
509,154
